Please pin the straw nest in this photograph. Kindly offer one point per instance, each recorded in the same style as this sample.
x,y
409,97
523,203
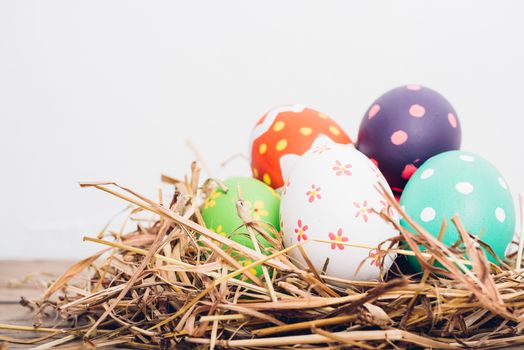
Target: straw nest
x,y
168,284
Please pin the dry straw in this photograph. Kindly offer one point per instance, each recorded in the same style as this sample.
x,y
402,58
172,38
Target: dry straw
x,y
169,284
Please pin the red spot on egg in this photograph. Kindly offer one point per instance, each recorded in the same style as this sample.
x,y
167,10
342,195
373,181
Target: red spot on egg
x,y
397,192
408,171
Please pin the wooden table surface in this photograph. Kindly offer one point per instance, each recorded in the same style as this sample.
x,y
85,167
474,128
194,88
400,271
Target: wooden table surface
x,y
23,279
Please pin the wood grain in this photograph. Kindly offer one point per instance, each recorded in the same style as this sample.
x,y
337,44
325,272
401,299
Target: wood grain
x,y
27,278
23,279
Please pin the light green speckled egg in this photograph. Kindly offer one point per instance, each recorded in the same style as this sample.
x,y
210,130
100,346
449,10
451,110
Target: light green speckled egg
x,y
220,212
463,183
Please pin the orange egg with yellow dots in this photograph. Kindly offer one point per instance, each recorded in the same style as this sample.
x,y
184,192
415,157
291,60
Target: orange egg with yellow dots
x,y
285,133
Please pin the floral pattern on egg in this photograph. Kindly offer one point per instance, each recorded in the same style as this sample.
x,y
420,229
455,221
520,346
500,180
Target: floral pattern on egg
x,y
220,212
332,196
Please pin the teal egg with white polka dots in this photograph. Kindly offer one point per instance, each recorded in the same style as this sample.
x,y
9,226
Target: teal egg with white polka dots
x,y
463,183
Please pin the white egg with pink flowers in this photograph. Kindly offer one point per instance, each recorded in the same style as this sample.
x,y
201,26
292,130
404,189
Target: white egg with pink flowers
x,y
330,200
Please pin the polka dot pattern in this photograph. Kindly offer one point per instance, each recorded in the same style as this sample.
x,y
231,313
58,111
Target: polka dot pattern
x,y
417,111
500,214
426,174
427,214
306,131
334,130
452,120
281,145
279,126
464,187
267,179
412,112
467,158
373,111
399,137
288,131
464,184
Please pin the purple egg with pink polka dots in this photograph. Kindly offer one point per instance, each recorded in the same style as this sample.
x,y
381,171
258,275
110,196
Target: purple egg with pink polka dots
x,y
406,126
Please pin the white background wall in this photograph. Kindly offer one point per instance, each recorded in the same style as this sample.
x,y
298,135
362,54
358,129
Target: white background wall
x,y
111,90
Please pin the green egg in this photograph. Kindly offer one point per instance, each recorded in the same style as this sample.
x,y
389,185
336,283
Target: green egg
x,y
463,183
220,213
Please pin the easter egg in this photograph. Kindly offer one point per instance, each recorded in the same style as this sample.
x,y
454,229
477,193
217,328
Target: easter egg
x,y
220,212
404,127
283,134
463,183
330,194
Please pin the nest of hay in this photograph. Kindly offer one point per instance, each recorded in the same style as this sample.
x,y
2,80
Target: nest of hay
x,y
169,284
